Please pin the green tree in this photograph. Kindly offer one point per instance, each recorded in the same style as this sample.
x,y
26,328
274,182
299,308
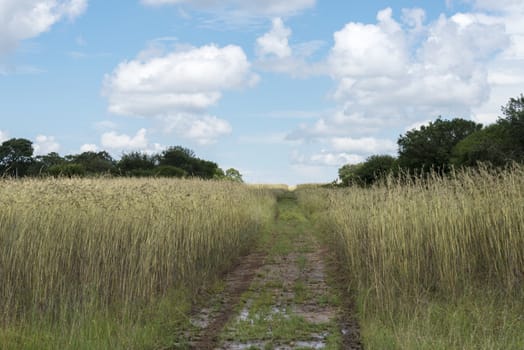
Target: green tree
x,y
234,175
41,164
375,167
15,157
177,156
186,160
430,147
67,170
497,144
514,112
489,145
348,174
94,162
136,164
168,171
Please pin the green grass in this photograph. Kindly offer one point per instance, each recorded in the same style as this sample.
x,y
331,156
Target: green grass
x,y
150,328
475,321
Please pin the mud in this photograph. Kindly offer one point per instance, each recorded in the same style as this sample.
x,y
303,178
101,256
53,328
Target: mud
x,y
237,282
270,290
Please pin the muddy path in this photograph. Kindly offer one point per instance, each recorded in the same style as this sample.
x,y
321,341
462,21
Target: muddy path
x,y
284,296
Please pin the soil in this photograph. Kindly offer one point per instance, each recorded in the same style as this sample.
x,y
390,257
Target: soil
x,y
237,282
287,298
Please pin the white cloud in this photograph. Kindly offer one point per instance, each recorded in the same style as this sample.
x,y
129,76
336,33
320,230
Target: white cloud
x,y
335,159
113,140
395,75
243,7
276,55
20,20
360,50
45,144
505,71
204,129
276,41
417,125
497,5
178,87
179,81
276,138
89,147
326,158
3,136
364,145
386,80
414,18
154,148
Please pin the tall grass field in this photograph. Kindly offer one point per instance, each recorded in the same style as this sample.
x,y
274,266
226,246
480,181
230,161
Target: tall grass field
x,y
436,263
115,263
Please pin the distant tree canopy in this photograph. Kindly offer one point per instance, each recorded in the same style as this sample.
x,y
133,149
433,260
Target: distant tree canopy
x,y
443,144
498,144
490,144
16,160
233,175
16,157
430,147
366,173
185,159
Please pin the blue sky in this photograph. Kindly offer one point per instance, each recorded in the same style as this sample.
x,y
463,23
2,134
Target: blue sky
x,y
286,92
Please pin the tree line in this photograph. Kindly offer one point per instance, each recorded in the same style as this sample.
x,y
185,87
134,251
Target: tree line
x,y
443,145
17,160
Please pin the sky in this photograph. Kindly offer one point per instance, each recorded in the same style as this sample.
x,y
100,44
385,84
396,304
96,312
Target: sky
x,y
284,91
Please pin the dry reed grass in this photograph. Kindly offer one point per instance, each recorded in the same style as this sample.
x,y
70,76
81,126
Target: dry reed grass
x,y
411,238
71,245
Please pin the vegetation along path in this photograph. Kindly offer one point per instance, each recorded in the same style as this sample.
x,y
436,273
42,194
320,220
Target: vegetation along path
x,y
281,296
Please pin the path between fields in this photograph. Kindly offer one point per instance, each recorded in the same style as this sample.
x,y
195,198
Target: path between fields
x,y
279,297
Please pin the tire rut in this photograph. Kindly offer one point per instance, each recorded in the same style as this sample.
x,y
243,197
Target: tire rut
x,y
280,298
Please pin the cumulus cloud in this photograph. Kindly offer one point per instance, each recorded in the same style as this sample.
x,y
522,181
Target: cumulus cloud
x,y
113,140
384,79
368,50
89,147
505,71
189,80
393,74
326,158
20,20
275,54
276,41
364,145
497,5
3,136
45,144
178,88
243,7
204,129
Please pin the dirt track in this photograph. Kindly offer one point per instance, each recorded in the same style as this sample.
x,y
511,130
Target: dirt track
x,y
280,297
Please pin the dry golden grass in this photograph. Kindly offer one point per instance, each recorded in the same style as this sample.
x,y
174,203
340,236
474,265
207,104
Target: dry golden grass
x,y
441,235
434,263
83,244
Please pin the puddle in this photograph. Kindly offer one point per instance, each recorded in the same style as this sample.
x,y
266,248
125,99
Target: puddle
x,y
245,314
310,344
315,314
262,345
202,320
243,346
